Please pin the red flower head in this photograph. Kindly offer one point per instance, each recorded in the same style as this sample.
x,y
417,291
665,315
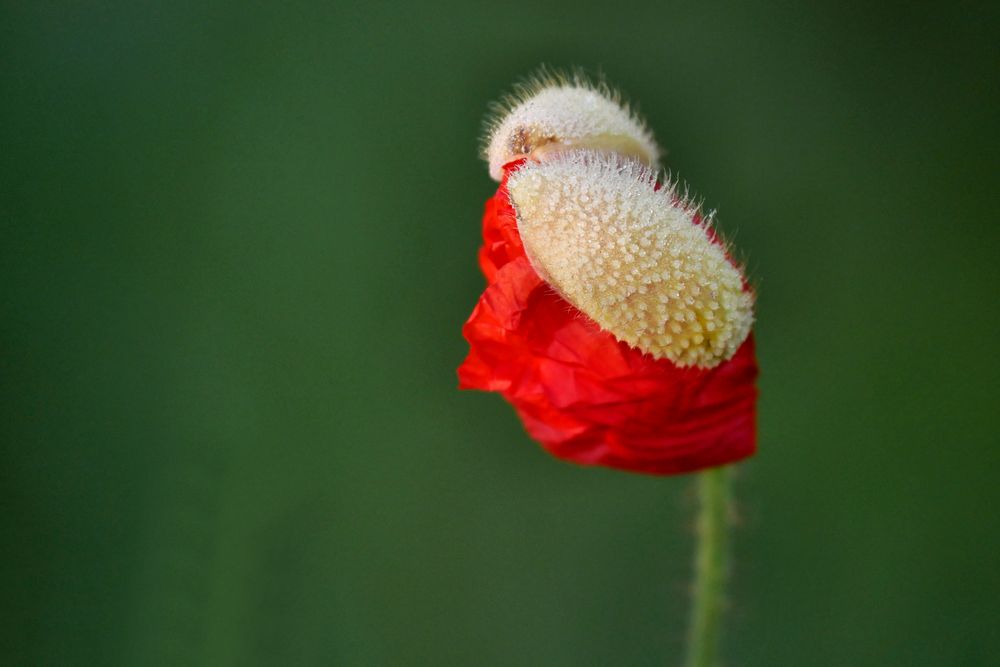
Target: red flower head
x,y
614,320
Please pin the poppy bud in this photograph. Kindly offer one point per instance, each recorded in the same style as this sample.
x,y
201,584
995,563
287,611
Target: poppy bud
x,y
614,320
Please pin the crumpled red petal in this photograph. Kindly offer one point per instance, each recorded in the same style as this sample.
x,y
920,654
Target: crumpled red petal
x,y
582,394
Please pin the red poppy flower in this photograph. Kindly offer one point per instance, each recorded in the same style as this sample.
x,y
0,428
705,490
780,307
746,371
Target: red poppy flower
x,y
630,394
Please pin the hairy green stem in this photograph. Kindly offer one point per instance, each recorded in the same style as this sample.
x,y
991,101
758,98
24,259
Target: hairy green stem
x,y
710,566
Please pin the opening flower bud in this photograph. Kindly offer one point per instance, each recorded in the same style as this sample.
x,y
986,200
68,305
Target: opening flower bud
x,y
554,113
636,258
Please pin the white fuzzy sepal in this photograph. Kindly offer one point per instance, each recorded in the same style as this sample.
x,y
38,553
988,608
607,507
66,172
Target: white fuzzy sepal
x,y
631,257
552,113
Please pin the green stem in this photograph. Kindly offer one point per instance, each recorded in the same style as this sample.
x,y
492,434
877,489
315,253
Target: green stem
x,y
710,567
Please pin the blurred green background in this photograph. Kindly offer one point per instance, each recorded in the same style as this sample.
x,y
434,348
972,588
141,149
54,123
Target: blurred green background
x,y
238,245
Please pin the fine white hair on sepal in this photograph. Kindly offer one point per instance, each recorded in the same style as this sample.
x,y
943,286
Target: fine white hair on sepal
x,y
554,111
637,259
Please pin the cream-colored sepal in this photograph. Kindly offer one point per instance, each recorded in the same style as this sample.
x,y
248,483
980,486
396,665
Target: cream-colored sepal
x,y
632,257
552,113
